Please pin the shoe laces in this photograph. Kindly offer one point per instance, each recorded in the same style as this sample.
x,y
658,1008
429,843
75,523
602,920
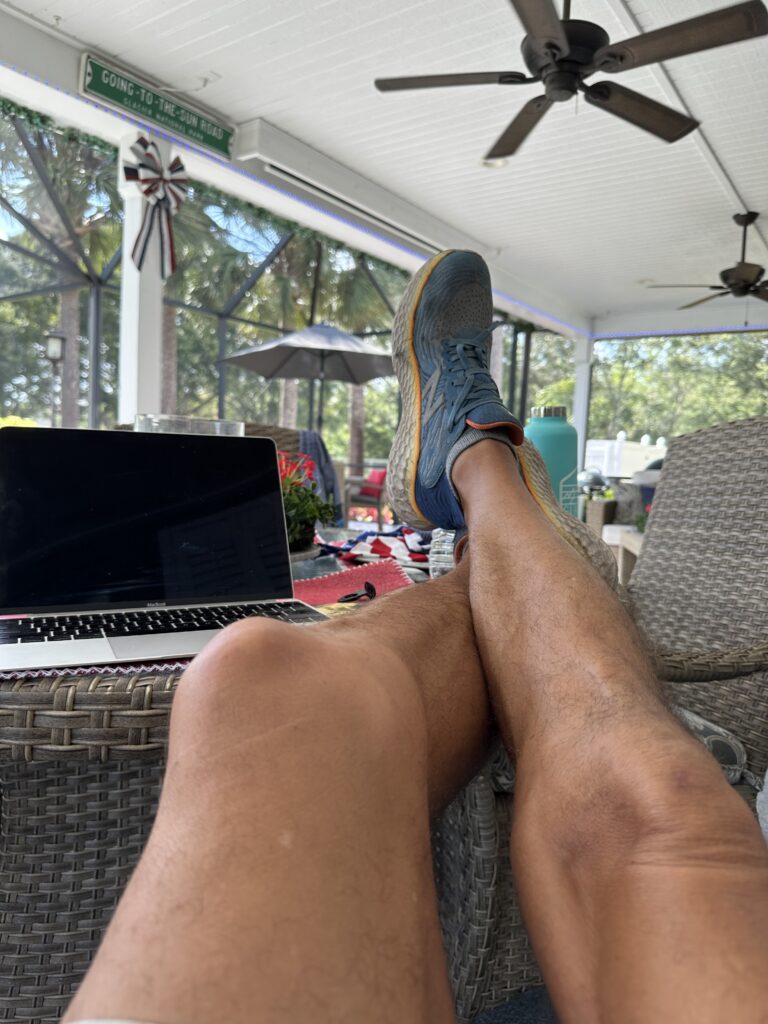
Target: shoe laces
x,y
466,371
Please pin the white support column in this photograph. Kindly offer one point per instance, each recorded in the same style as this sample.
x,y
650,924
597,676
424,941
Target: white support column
x,y
583,375
141,304
497,358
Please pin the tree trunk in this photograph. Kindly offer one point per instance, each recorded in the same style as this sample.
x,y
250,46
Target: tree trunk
x,y
70,364
356,428
169,371
289,403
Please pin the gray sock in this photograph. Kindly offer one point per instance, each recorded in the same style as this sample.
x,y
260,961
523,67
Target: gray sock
x,y
470,437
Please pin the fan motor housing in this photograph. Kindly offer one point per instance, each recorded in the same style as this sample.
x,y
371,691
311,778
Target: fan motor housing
x,y
561,77
742,278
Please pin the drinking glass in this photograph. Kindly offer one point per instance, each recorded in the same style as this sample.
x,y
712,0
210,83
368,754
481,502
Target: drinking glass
x,y
155,423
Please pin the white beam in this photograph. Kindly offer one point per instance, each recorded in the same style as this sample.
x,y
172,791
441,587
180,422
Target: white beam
x,y
287,158
141,303
583,355
721,316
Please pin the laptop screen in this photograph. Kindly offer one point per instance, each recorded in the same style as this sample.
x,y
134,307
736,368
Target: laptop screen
x,y
109,519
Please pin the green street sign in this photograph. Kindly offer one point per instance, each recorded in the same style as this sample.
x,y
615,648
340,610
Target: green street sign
x,y
115,88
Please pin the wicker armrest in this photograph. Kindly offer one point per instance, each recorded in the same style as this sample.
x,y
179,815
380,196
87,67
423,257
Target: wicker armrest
x,y
97,718
681,666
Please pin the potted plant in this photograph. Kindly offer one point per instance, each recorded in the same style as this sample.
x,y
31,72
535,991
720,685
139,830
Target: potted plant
x,y
641,519
304,507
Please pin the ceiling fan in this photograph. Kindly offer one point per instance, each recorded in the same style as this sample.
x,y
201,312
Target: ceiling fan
x,y
743,279
563,53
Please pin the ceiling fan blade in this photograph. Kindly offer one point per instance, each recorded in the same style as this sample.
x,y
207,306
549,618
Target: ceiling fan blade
x,y
707,298
712,287
642,111
761,292
718,28
542,26
515,134
438,81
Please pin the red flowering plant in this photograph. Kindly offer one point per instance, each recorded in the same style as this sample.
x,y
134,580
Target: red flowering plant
x,y
304,507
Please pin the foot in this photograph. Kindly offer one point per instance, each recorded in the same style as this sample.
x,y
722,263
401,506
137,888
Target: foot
x,y
441,342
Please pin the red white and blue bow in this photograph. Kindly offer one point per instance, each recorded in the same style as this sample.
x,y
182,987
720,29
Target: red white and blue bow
x,y
165,191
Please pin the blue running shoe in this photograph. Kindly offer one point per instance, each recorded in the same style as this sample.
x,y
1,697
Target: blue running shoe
x,y
441,341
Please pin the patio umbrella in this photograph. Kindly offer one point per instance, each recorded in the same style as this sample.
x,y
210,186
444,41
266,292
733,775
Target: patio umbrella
x,y
320,352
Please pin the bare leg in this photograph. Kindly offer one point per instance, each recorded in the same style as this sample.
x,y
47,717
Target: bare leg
x,y
643,877
288,876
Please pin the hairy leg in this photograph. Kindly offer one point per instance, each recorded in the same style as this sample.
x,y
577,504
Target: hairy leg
x,y
288,876
643,877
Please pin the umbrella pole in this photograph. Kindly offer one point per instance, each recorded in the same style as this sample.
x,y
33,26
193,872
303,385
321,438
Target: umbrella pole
x,y
311,414
321,394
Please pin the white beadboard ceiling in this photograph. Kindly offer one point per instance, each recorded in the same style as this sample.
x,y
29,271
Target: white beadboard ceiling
x,y
592,206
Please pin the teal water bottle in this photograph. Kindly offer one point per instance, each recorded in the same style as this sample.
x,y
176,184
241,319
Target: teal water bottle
x,y
557,442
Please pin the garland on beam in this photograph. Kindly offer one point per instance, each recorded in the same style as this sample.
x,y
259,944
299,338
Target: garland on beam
x,y
9,110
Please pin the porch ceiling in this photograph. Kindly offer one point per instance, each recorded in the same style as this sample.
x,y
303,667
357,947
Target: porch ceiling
x,y
592,208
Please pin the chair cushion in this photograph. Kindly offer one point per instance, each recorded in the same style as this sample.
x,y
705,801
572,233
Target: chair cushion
x,y
374,482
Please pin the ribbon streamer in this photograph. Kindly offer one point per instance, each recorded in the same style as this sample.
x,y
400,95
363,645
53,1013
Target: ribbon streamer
x,y
165,190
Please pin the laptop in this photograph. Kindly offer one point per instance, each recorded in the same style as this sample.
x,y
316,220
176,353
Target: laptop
x,y
123,547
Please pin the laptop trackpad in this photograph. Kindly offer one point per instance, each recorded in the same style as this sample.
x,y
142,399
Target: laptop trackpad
x,y
161,645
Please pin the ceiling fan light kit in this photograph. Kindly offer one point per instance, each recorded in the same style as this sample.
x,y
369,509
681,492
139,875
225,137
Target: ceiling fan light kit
x,y
563,53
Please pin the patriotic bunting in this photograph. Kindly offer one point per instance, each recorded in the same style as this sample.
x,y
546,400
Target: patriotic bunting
x,y
165,191
404,545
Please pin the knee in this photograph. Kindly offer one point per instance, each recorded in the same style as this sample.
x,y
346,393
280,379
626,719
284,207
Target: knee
x,y
242,668
259,675
665,799
242,655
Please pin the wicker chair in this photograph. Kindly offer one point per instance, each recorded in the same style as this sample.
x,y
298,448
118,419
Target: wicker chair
x,y
81,759
286,438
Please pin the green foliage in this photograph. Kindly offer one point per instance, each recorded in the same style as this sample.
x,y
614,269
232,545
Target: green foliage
x,y
83,173
16,421
656,386
551,380
220,241
669,386
303,505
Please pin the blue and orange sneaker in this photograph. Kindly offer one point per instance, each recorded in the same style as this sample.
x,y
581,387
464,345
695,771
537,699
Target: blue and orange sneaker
x,y
441,341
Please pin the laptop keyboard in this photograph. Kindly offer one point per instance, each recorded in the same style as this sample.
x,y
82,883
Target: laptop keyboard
x,y
84,626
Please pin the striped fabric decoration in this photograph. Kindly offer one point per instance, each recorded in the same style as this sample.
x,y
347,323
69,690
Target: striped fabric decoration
x,y
165,191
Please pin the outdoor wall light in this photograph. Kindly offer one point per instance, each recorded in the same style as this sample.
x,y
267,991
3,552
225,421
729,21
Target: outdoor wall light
x,y
54,350
54,345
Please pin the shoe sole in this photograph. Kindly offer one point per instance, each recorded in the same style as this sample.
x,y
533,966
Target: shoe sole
x,y
406,447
